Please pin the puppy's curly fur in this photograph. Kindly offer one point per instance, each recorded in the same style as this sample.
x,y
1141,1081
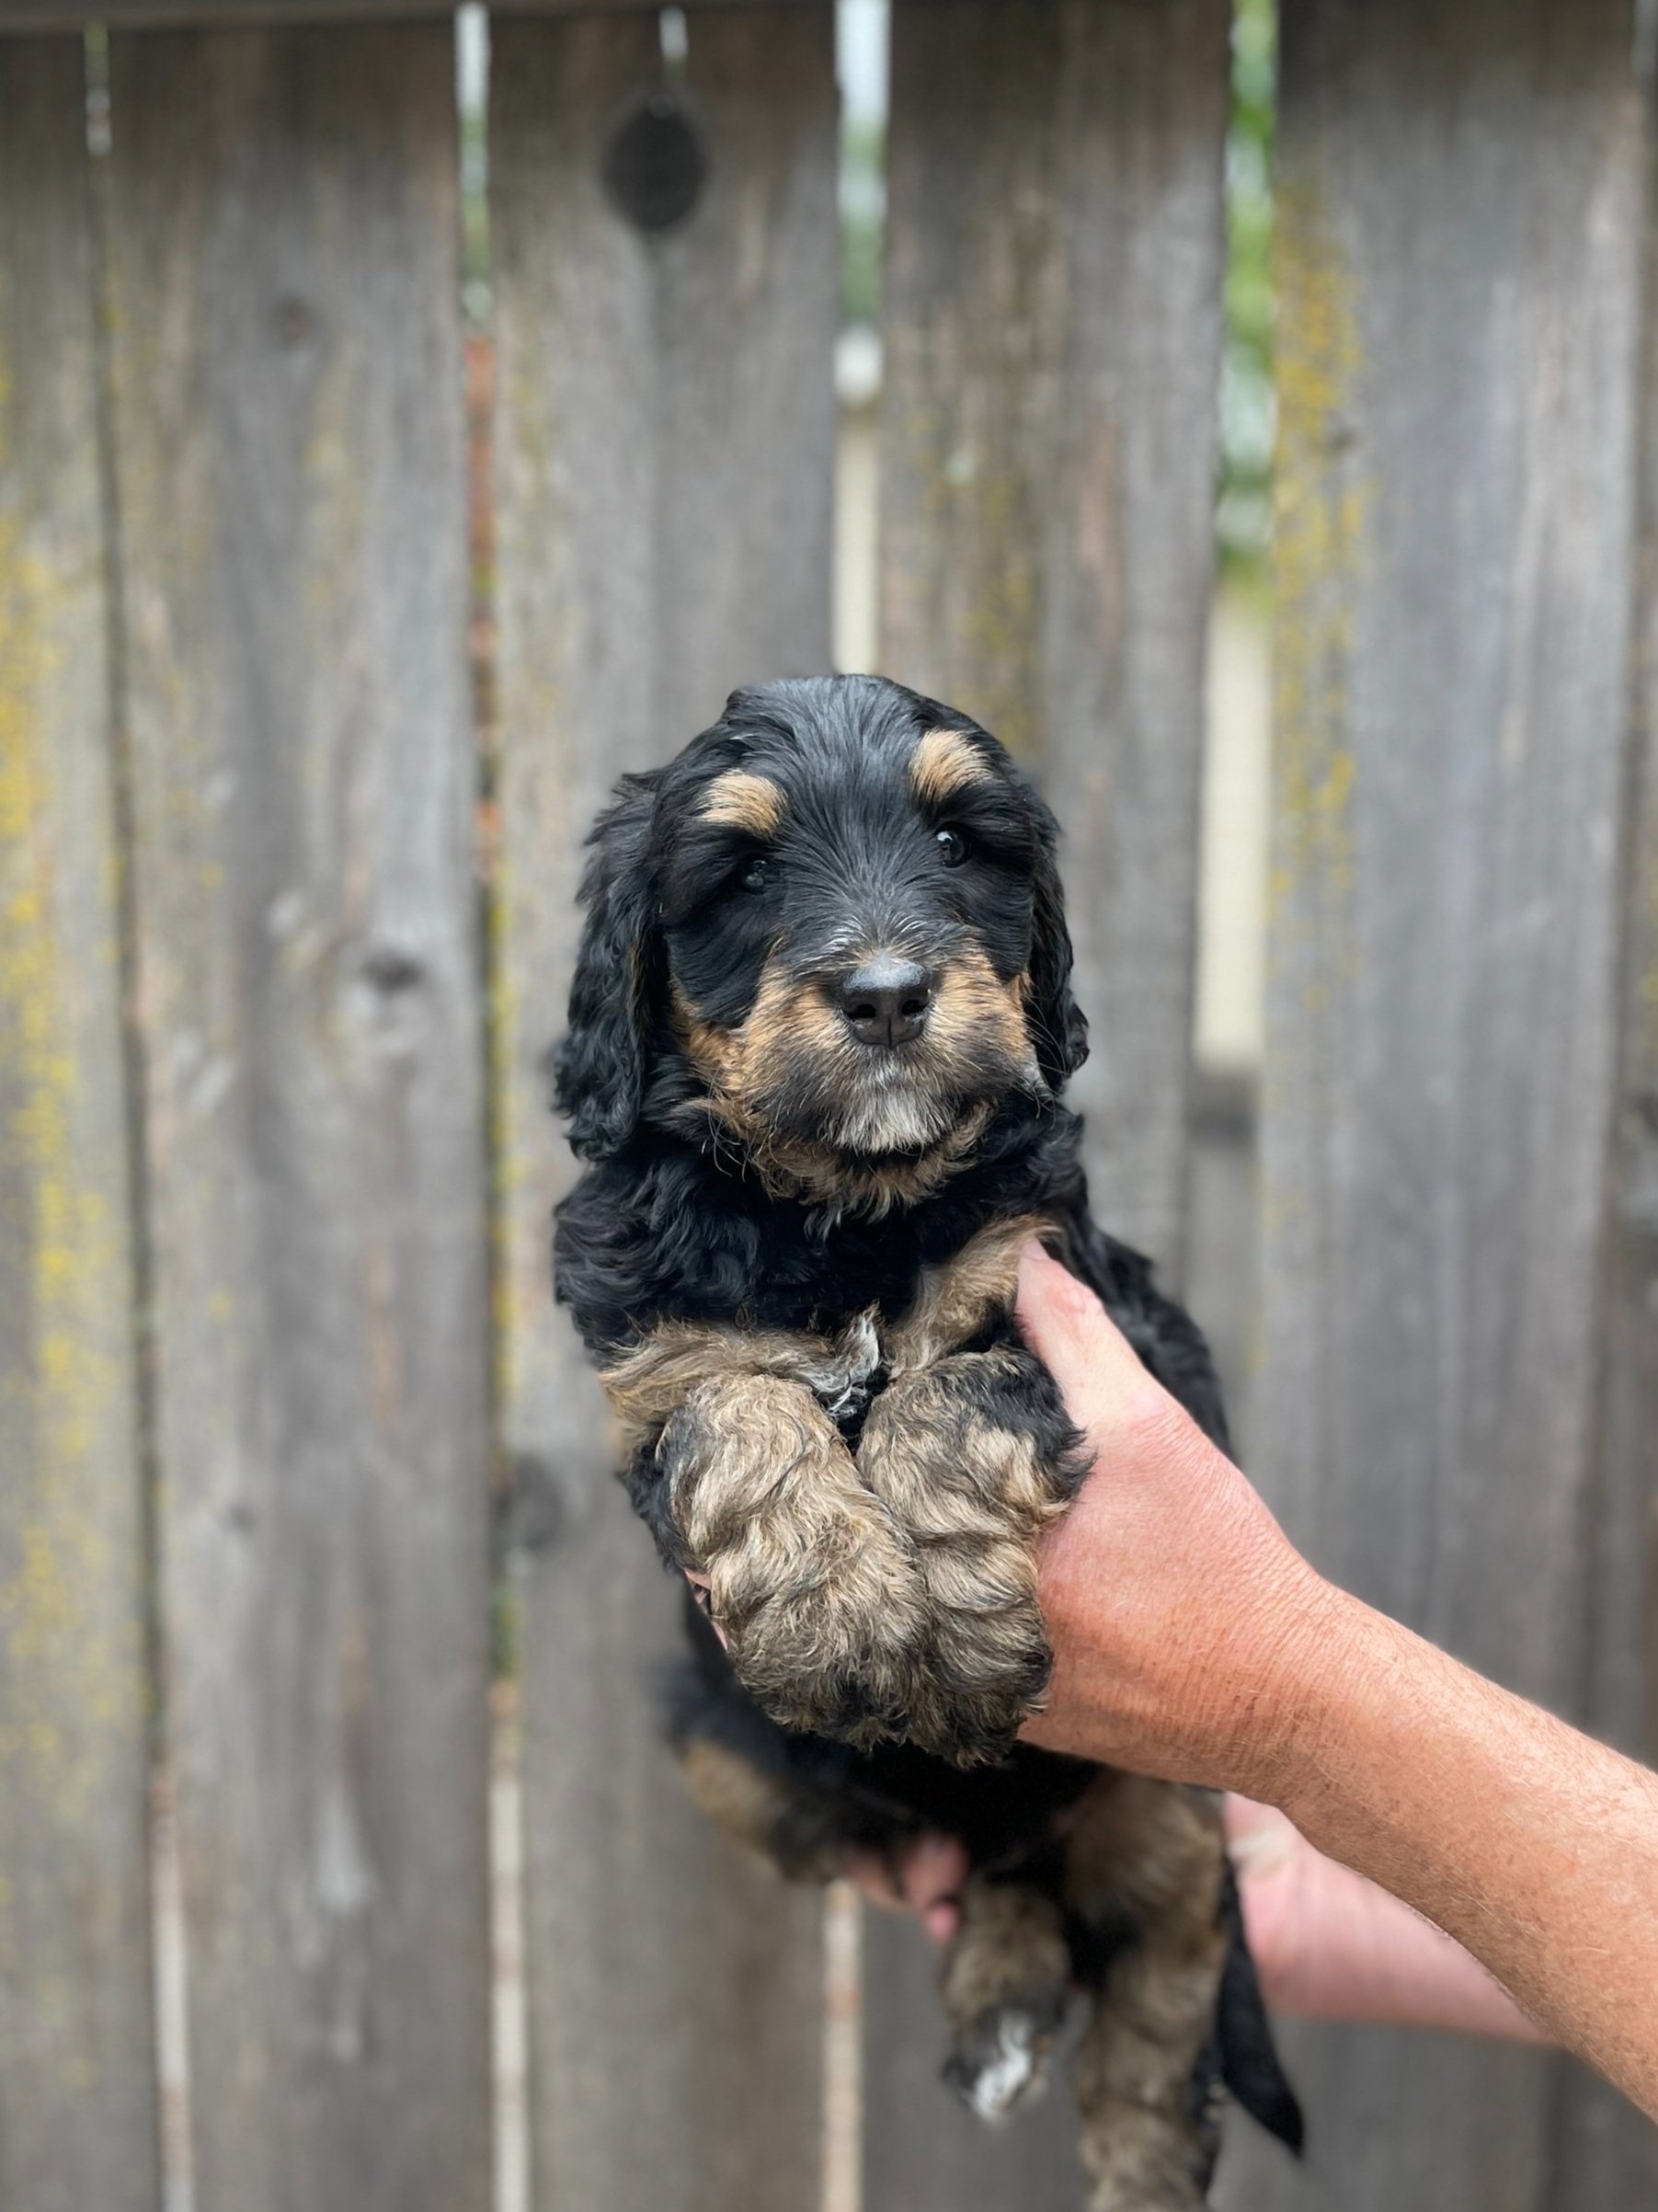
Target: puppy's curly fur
x,y
819,1028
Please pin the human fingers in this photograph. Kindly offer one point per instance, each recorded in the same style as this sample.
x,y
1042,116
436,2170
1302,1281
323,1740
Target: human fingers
x,y
1070,1331
869,1874
1260,1838
927,1880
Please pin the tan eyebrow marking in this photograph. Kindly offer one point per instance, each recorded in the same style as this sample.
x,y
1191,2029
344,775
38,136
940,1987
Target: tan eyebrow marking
x,y
943,763
742,801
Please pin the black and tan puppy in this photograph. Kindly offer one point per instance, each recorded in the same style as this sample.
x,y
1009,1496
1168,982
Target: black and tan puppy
x,y
821,1024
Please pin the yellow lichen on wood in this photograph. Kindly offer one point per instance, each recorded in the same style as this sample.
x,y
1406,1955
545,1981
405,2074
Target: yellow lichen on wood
x,y
1645,1043
972,497
72,1658
1321,514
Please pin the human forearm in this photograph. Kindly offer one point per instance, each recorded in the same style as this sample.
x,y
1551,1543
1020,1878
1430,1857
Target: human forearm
x,y
1329,1944
1534,1847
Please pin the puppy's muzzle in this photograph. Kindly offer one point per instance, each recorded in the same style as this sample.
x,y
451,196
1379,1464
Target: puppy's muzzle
x,y
884,1001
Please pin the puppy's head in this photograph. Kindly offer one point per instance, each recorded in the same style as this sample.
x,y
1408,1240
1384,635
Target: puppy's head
x,y
832,930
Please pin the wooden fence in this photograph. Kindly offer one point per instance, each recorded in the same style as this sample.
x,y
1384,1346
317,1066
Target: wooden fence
x,y
275,1165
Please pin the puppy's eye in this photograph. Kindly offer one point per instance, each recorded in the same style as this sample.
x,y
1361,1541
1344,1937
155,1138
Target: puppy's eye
x,y
757,874
952,847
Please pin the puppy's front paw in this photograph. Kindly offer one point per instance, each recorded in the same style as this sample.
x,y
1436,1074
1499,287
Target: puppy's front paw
x,y
816,1593
971,1481
832,1646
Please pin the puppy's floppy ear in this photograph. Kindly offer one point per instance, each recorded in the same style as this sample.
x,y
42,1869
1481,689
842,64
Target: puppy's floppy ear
x,y
599,1065
1058,1029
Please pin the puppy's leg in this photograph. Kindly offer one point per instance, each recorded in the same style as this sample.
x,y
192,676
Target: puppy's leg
x,y
792,1827
1146,1864
788,1800
1005,1984
808,1581
650,1381
973,1457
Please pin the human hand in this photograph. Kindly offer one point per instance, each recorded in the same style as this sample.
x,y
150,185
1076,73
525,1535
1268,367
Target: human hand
x,y
1173,1600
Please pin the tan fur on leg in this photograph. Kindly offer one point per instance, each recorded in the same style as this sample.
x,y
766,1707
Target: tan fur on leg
x,y
1155,1851
652,1380
817,1593
957,1298
760,1811
971,1497
734,1793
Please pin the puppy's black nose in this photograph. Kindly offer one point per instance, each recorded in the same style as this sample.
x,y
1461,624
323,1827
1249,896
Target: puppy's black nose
x,y
885,1000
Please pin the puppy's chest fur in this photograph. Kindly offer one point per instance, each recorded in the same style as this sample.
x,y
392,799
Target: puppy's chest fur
x,y
674,1237
665,1262
848,1340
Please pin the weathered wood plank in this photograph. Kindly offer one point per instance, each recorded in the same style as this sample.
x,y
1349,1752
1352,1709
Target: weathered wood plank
x,y
1052,321
665,456
1052,315
78,2120
1460,211
286,354
25,15
1605,2153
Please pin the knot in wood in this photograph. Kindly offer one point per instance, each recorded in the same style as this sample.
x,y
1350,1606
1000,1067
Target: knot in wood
x,y
294,322
536,1512
655,165
391,971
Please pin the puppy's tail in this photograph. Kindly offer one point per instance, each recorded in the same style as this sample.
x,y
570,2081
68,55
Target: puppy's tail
x,y
1250,2065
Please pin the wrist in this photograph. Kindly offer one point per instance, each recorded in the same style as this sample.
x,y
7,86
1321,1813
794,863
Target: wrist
x,y
1304,1657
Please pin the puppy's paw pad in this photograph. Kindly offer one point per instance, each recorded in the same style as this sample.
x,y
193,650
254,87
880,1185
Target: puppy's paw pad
x,y
1001,2063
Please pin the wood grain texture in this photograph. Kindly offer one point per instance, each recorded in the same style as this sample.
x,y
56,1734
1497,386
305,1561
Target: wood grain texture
x,y
1051,318
1459,212
665,450
56,15
286,357
1603,2153
77,2121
